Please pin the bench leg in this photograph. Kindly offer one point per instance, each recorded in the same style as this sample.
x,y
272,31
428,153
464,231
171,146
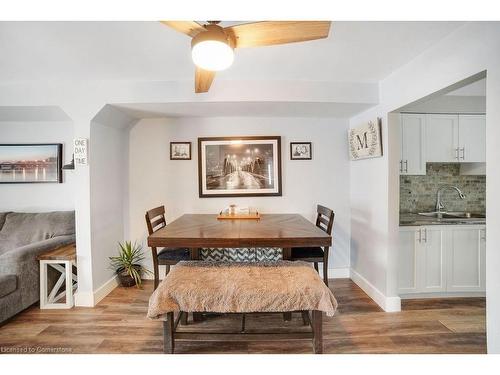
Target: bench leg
x,y
168,334
184,318
305,318
317,327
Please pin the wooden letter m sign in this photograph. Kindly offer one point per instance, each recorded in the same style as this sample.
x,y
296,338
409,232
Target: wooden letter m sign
x,y
365,141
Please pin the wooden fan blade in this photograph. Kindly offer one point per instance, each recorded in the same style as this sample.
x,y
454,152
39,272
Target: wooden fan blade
x,y
269,33
202,80
190,28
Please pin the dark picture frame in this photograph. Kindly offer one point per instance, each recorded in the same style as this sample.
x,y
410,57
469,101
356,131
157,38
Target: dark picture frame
x,y
173,148
256,168
296,155
15,160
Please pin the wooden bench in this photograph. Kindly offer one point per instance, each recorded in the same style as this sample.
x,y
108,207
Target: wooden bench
x,y
62,260
238,288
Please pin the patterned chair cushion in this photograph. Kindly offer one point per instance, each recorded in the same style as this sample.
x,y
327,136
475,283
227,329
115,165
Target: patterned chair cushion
x,y
174,254
260,254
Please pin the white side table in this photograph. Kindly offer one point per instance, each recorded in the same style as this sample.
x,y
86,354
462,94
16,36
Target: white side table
x,y
62,260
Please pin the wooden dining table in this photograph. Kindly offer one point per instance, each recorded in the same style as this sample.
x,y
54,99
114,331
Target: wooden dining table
x,y
196,231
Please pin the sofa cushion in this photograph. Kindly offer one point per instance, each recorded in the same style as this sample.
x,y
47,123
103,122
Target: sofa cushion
x,y
8,284
21,229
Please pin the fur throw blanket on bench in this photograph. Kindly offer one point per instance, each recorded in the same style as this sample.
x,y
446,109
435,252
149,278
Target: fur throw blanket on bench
x,y
241,288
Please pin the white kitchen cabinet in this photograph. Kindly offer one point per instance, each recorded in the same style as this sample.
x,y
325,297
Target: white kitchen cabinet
x,y
455,138
472,138
431,256
407,263
466,260
441,259
412,144
442,138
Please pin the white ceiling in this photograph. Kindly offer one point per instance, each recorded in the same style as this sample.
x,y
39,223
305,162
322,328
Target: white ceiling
x,y
242,109
149,51
477,88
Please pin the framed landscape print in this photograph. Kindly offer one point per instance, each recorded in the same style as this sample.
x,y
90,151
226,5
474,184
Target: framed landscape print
x,y
239,166
300,151
180,150
30,163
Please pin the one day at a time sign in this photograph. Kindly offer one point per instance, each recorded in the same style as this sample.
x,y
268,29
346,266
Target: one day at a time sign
x,y
80,150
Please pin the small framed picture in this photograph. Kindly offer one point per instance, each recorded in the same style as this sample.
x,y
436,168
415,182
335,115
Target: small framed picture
x,y
300,151
180,150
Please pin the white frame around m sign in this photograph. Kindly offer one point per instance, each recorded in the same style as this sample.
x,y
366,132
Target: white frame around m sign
x,y
365,141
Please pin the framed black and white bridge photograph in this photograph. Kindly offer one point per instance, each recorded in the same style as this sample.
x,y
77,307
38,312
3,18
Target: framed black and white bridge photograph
x,y
239,166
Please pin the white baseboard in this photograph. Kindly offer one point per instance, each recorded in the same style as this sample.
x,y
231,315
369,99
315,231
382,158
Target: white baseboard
x,y
105,289
84,299
443,295
91,299
388,304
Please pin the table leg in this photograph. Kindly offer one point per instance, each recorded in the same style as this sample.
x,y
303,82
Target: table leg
x,y
195,253
317,326
287,253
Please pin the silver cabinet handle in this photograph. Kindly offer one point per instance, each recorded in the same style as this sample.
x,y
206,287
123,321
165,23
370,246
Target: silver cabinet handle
x,y
406,166
463,153
483,237
421,237
457,153
401,166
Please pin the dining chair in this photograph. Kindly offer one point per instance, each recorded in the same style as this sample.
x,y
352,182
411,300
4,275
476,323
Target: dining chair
x,y
316,255
155,220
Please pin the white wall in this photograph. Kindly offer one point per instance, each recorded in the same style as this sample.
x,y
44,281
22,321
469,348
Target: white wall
x,y
466,52
155,180
39,197
109,134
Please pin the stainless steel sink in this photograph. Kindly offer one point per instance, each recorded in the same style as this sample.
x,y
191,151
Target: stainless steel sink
x,y
453,215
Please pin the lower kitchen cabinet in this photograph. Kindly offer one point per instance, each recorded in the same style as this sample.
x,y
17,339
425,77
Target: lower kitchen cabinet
x,y
441,259
466,260
432,264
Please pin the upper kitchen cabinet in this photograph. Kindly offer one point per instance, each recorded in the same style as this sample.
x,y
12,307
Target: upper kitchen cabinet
x,y
442,138
412,144
455,138
472,138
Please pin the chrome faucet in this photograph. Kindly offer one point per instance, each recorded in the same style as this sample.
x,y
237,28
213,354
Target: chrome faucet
x,y
439,204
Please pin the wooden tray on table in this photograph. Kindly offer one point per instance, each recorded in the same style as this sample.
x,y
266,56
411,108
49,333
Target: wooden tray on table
x,y
250,216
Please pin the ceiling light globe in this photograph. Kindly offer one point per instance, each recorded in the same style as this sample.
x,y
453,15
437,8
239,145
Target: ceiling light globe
x,y
212,55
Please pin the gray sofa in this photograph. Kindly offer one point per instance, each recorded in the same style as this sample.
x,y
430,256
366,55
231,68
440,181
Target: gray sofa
x,y
23,236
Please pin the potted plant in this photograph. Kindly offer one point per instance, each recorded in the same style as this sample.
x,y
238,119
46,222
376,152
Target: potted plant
x,y
127,264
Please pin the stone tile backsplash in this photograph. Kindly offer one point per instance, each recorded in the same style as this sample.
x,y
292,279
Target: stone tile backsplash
x,y
418,193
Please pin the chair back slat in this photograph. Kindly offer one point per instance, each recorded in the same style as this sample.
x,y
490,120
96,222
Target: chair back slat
x,y
325,218
155,219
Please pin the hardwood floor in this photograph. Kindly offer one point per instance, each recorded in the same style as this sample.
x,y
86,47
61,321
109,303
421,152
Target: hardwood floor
x,y
118,324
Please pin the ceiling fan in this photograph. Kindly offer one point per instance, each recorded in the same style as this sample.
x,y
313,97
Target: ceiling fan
x,y
212,46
